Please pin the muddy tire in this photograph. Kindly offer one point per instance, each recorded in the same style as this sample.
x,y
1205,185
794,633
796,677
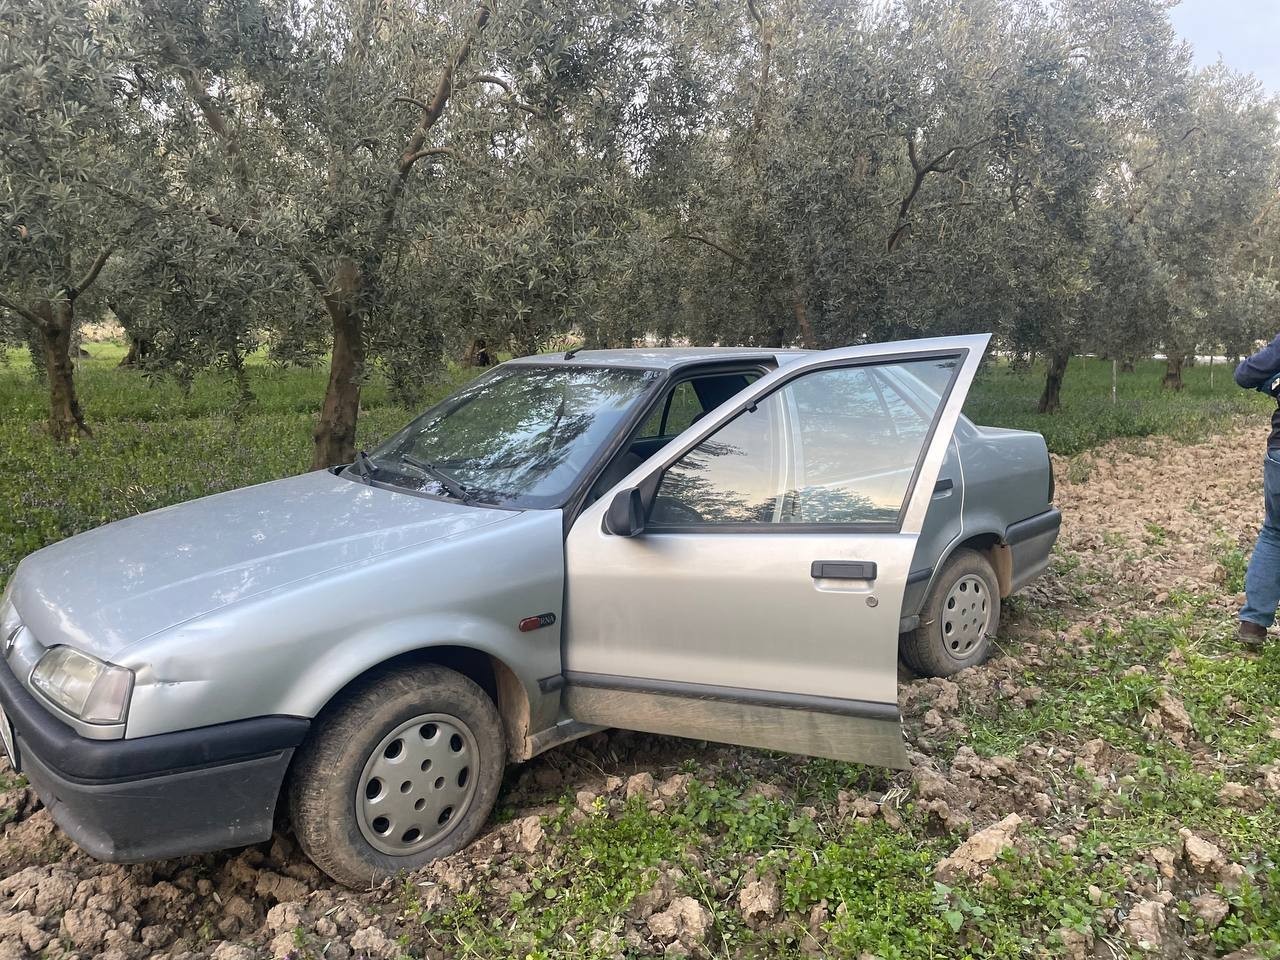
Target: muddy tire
x,y
958,619
403,769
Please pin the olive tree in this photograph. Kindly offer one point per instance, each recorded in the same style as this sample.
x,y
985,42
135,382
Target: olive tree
x,y
70,150
324,137
1216,183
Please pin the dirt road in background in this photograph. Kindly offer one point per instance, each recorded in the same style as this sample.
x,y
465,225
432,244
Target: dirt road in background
x,y
1042,754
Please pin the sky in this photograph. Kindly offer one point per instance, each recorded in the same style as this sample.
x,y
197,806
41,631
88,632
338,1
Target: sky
x,y
1245,32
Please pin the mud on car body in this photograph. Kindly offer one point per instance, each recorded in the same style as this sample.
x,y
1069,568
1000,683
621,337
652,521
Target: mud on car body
x,y
728,544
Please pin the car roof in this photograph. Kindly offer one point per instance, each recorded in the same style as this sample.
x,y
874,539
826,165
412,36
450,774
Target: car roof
x,y
665,358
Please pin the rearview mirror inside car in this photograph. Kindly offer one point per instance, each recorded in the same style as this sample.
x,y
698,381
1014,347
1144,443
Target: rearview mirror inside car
x,y
625,516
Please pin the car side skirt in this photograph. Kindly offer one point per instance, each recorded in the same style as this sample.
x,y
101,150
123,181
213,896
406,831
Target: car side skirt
x,y
852,730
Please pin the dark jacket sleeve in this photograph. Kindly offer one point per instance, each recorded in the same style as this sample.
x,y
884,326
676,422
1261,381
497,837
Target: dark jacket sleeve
x,y
1254,373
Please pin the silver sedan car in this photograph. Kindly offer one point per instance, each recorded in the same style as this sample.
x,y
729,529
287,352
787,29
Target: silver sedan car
x,y
727,544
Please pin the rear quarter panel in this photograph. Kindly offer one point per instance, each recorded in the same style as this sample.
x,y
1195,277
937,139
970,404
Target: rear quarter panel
x,y
1003,477
1006,477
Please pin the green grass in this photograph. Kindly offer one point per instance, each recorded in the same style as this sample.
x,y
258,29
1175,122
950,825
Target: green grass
x,y
1005,397
874,883
1098,694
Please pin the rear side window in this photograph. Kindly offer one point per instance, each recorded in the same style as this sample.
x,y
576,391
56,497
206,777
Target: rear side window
x,y
838,445
679,411
689,400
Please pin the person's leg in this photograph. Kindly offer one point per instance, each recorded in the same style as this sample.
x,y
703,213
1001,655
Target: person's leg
x,y
1262,581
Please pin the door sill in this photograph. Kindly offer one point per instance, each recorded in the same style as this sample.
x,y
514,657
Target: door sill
x,y
870,737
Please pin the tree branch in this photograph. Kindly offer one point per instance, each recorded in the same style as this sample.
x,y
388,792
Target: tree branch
x,y
491,78
432,152
194,81
937,165
766,64
414,101
20,311
1139,171
314,276
94,269
309,268
413,151
444,87
1265,211
697,238
237,227
510,90
528,108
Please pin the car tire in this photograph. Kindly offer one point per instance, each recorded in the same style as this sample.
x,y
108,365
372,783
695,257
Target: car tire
x,y
958,619
403,769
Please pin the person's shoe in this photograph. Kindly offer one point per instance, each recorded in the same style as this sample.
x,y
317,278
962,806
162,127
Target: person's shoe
x,y
1252,635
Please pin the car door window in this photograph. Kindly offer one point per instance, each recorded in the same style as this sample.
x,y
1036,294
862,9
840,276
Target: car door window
x,y
833,446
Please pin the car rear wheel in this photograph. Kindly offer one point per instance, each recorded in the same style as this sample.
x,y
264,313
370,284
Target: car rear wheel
x,y
959,617
404,769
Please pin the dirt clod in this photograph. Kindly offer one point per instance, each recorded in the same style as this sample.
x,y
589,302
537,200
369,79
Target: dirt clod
x,y
1145,925
760,899
233,951
639,785
1211,908
1238,795
1202,855
973,856
685,920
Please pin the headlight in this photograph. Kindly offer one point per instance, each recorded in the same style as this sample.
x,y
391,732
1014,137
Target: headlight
x,y
84,686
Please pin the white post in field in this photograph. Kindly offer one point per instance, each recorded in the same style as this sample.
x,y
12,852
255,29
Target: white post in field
x,y
1113,379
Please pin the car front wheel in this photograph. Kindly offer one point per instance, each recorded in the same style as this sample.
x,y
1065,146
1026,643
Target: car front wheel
x,y
405,768
958,619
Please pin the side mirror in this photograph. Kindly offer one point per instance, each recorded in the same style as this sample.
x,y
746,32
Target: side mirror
x,y
625,516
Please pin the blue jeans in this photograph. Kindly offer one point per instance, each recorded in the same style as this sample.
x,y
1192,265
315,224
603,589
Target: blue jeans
x,y
1262,581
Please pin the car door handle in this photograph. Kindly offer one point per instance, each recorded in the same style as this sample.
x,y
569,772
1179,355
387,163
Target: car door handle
x,y
843,570
943,488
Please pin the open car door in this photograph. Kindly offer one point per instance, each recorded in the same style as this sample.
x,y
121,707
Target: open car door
x,y
745,583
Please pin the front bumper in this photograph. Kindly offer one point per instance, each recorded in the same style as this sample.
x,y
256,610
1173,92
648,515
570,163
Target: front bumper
x,y
154,797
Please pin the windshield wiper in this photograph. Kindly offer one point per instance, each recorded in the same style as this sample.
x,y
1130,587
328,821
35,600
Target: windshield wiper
x,y
365,466
457,490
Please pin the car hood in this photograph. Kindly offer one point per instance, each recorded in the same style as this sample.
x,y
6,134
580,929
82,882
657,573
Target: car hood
x,y
106,589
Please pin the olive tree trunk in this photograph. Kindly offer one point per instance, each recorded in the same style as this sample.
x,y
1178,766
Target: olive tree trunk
x,y
1051,398
1172,379
139,350
335,434
478,354
56,324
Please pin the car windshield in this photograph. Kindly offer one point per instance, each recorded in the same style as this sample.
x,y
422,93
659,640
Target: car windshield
x,y
521,436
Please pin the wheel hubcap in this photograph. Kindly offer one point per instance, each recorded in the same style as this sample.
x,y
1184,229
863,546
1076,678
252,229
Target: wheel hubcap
x,y
417,784
966,616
